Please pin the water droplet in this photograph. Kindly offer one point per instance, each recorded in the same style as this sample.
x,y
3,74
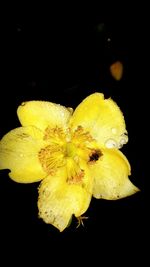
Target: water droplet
x,y
23,104
111,143
123,141
114,130
70,110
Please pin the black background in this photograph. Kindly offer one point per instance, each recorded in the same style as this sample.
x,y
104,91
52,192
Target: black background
x,y
63,56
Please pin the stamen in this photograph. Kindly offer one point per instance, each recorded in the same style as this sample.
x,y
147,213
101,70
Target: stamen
x,y
77,178
55,134
51,158
74,173
80,136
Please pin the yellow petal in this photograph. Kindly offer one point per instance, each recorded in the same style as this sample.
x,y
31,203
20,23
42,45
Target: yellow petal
x,y
19,152
43,114
58,200
103,119
110,174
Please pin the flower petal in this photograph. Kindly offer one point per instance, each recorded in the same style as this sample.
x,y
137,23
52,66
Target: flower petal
x,y
19,152
103,119
58,200
110,174
43,114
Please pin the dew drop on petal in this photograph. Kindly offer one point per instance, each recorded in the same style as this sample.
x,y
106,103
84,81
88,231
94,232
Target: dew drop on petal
x,y
70,110
123,141
114,130
23,104
111,143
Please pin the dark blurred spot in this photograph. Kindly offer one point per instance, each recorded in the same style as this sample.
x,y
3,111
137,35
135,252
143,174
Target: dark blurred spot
x,y
32,84
100,27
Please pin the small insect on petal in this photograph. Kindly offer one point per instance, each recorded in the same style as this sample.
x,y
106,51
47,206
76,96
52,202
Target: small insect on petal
x,y
80,220
116,70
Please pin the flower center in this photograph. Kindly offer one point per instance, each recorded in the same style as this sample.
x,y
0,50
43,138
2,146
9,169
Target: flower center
x,y
70,150
66,149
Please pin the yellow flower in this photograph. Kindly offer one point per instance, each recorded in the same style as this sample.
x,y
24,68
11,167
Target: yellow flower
x,y
75,155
